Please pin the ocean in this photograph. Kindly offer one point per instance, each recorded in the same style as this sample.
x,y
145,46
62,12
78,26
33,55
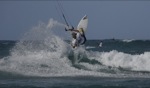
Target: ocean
x,y
43,59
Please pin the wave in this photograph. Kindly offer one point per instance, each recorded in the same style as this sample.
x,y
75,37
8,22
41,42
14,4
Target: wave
x,y
128,40
135,41
119,59
42,53
90,47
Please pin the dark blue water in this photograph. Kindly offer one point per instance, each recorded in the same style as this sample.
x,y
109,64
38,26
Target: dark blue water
x,y
75,82
114,64
126,46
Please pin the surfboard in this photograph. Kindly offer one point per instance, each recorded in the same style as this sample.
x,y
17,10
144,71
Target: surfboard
x,y
83,23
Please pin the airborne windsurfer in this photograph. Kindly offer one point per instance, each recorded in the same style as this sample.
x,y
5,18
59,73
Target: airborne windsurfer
x,y
78,37
78,34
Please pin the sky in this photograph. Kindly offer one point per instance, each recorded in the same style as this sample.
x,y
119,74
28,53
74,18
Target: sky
x,y
107,19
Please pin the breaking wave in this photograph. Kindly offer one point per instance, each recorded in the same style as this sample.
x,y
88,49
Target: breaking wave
x,y
43,53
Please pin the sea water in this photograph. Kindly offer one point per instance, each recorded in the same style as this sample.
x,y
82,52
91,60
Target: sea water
x,y
42,59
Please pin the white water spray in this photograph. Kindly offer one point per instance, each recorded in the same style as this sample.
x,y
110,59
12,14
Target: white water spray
x,y
39,53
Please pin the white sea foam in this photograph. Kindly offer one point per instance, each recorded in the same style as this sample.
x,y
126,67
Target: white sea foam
x,y
119,59
128,40
90,47
39,53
